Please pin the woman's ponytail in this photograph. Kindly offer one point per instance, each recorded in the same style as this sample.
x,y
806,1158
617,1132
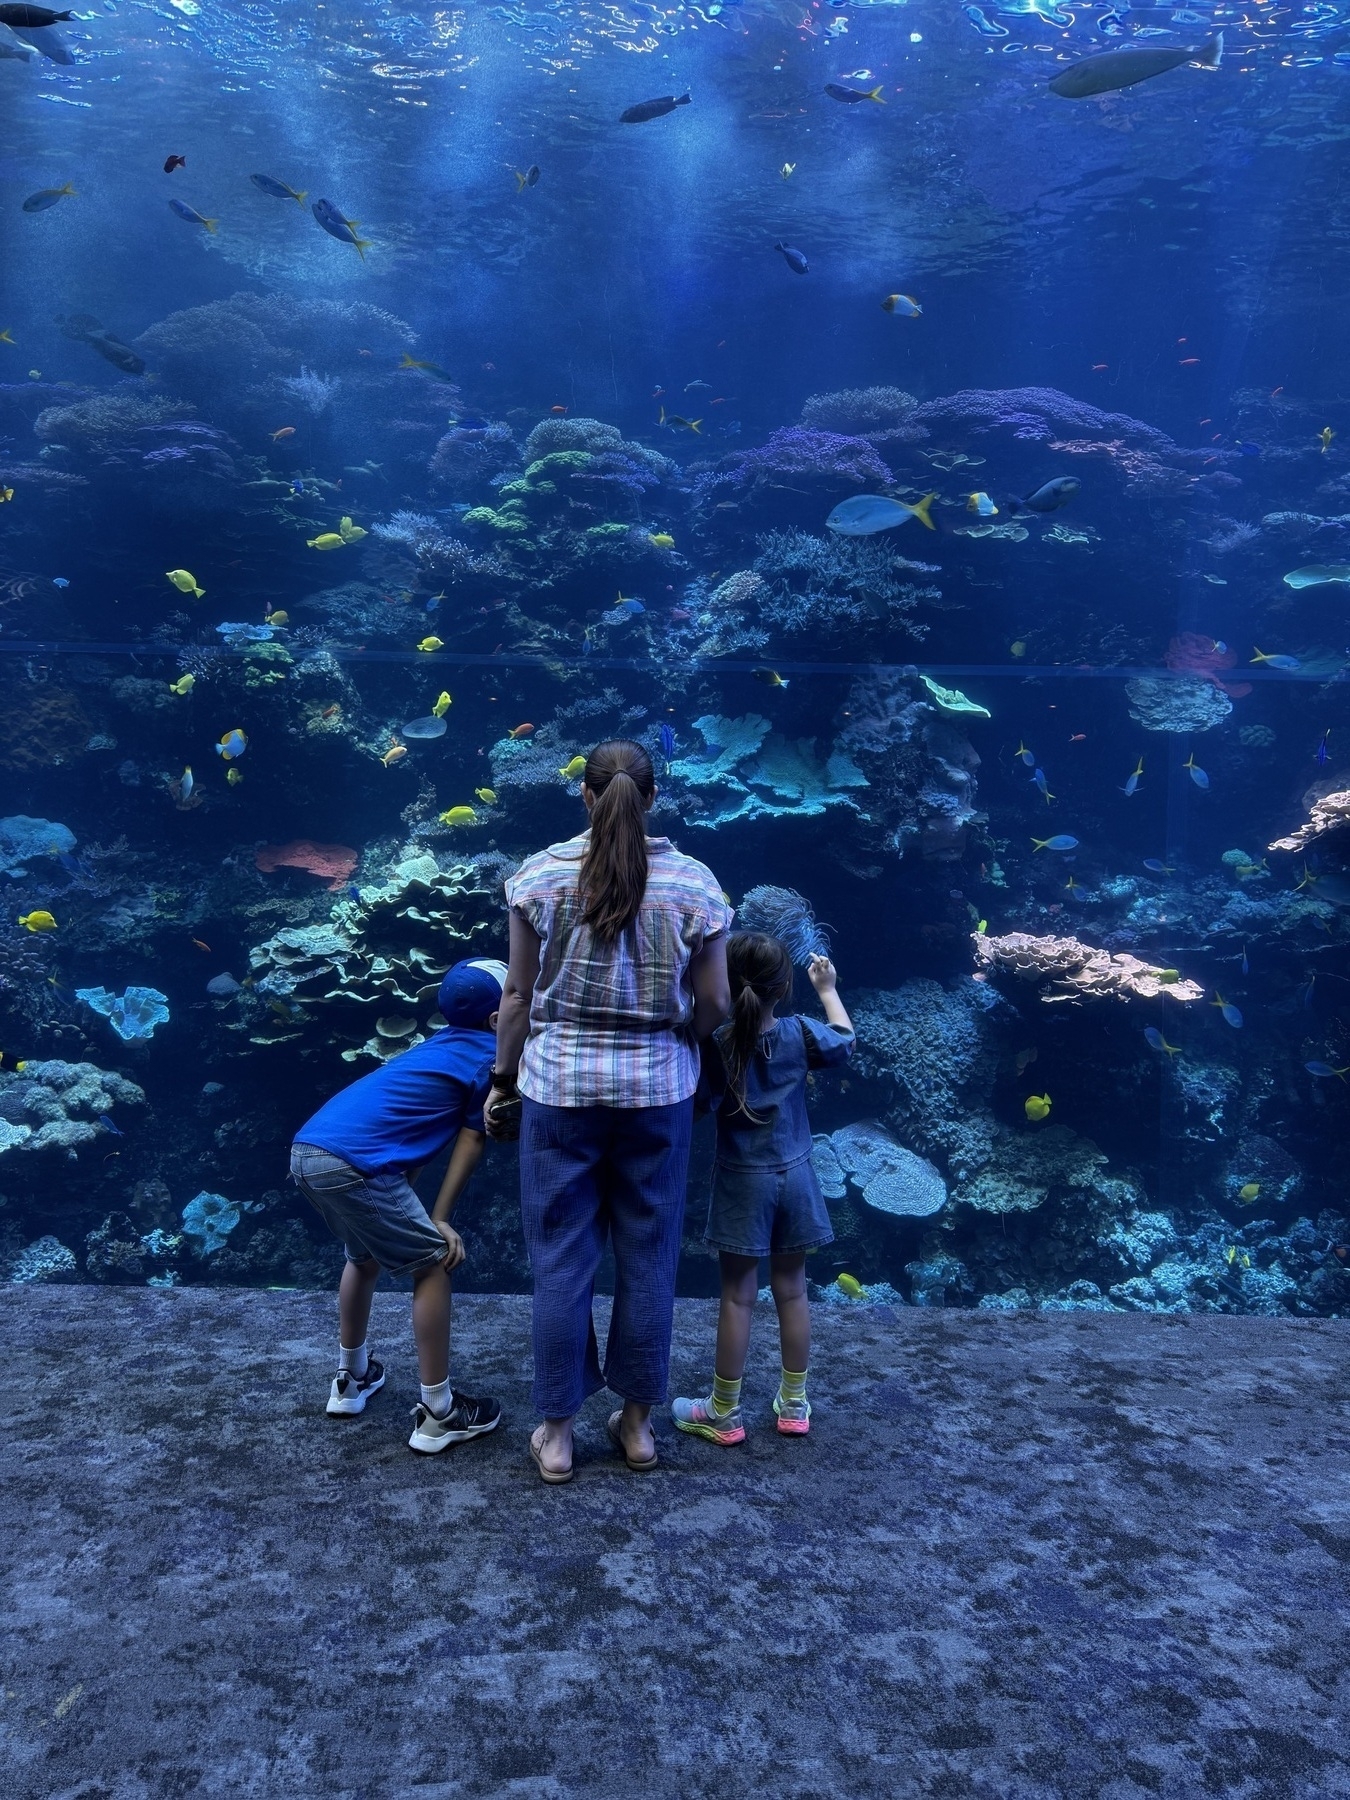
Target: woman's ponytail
x,y
614,869
760,969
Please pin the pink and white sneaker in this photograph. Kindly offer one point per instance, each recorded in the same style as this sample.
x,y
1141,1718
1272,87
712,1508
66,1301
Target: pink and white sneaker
x,y
698,1418
794,1416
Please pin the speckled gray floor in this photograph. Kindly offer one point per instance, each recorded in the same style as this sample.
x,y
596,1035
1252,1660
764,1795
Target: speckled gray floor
x,y
1073,1556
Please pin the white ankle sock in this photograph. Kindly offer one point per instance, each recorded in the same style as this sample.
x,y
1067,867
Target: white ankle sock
x,y
437,1400
356,1361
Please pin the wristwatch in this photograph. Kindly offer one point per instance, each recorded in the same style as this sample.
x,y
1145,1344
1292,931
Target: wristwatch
x,y
504,1082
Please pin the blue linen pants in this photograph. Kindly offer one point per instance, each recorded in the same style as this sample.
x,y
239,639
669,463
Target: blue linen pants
x,y
588,1172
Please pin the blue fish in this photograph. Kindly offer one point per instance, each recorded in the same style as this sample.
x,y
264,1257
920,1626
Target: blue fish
x,y
1230,1014
1038,780
1246,966
630,607
667,742
1156,866
1248,449
1196,773
343,229
794,259
1322,754
192,216
60,581
298,487
108,1125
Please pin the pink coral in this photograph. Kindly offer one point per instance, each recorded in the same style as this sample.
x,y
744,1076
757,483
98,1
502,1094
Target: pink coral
x,y
1070,970
333,862
1192,653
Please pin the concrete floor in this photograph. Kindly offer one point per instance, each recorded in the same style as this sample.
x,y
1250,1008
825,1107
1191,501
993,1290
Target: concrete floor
x,y
1025,1557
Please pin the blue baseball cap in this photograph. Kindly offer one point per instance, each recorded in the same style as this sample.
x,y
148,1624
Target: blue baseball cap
x,y
471,992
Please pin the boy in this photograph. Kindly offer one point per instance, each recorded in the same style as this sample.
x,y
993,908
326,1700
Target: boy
x,y
356,1160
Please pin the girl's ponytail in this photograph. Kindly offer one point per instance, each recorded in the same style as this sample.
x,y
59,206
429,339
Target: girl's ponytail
x,y
614,869
760,969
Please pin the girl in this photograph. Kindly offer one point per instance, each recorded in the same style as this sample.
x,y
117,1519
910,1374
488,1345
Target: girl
x,y
766,1199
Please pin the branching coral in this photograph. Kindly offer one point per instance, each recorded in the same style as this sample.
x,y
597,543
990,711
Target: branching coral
x,y
748,772
105,418
464,461
1033,414
791,457
919,763
875,413
1331,812
247,335
831,587
1066,969
315,392
786,915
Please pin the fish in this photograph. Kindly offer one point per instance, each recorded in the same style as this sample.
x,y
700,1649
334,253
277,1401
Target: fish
x,y
1322,755
459,815
1156,866
1078,737
848,96
527,178
1038,780
1322,1070
327,540
574,770
14,48
1196,773
863,515
661,540
429,368
770,678
232,744
904,304
46,198
1115,69
174,162
1277,661
487,795
344,230
183,685
1246,449
277,619
431,644
1061,841
234,776
279,190
787,170
349,533
182,789
1156,1041
6,495
31,18
1073,887
667,739
1132,782
84,328
59,581
1037,1107
517,732
191,215
557,411
442,706
1025,755
1248,1192
629,607
12,1064
1324,438
1245,964
185,582
282,431
652,109
1231,1014
850,1285
984,508
1049,497
795,259
394,754
676,422
6,336
38,920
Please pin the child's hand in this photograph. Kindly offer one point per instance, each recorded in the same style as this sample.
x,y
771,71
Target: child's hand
x,y
820,972
454,1243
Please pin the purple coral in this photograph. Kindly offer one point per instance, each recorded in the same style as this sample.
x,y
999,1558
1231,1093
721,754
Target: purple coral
x,y
1036,414
795,451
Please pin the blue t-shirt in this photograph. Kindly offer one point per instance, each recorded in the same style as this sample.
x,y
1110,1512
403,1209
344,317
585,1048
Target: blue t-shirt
x,y
775,1092
408,1110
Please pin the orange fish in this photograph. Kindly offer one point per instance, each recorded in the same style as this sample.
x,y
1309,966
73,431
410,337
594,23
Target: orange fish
x,y
520,731
330,712
201,946
281,432
393,754
1101,365
557,409
1079,737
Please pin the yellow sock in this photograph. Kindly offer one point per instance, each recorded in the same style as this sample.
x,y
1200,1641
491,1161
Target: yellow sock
x,y
792,1387
726,1396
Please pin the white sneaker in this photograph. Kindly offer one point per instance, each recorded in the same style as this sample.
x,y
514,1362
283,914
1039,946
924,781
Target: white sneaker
x,y
467,1418
349,1394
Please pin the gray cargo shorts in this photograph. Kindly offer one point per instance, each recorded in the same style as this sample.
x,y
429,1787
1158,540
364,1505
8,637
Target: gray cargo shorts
x,y
376,1216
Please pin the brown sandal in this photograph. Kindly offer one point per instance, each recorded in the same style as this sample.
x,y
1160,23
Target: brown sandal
x,y
554,1477
639,1467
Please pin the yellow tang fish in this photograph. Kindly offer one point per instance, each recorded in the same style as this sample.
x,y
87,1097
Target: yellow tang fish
x,y
351,534
276,618
442,706
38,921
459,815
1248,1192
850,1285
574,770
185,582
487,795
1037,1107
662,540
327,540
770,678
6,494
430,644
183,685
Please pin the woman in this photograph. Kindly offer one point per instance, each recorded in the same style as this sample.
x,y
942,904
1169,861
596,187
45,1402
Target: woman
x,y
617,970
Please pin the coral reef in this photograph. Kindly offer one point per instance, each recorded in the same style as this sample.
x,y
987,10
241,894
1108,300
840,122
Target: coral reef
x,y
875,413
24,840
1181,704
749,771
1065,969
1327,813
920,767
1192,653
889,1178
60,1106
332,863
767,484
133,1015
828,589
786,915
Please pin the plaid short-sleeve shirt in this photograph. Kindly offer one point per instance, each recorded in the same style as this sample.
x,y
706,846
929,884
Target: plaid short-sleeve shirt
x,y
611,1024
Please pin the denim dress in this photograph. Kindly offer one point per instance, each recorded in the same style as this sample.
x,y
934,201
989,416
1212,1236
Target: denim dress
x,y
766,1199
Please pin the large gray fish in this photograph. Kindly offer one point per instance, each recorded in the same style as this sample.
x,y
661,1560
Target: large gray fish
x,y
1123,68
14,47
46,40
652,109
1048,498
85,329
